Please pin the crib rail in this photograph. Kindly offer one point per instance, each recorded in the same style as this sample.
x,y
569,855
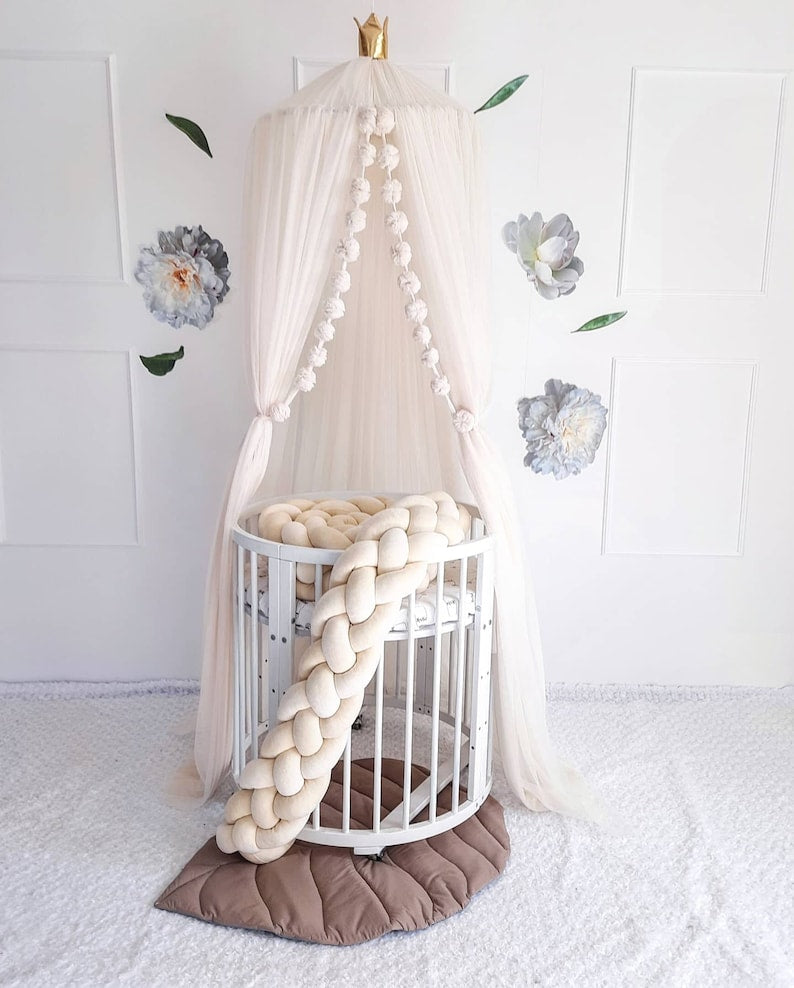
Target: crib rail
x,y
435,680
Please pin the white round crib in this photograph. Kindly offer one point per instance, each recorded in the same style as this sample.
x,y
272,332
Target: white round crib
x,y
434,678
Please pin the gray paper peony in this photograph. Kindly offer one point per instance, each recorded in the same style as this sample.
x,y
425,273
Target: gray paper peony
x,y
185,277
563,429
546,252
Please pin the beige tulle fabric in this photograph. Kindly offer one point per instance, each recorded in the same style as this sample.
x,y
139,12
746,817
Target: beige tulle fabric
x,y
372,422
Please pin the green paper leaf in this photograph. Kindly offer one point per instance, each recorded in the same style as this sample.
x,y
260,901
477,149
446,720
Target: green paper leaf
x,y
599,322
191,130
504,93
162,363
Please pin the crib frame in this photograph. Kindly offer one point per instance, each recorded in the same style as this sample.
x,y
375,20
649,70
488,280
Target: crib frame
x,y
264,654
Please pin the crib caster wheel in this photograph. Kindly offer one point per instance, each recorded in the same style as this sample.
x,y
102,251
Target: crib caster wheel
x,y
376,857
358,723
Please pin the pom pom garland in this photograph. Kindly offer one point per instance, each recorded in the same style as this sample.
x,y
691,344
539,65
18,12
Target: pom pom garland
x,y
392,191
367,120
305,379
325,331
423,335
463,420
317,356
360,191
409,283
440,385
396,222
366,154
384,121
340,281
430,357
388,157
416,311
401,254
333,308
356,220
278,411
348,249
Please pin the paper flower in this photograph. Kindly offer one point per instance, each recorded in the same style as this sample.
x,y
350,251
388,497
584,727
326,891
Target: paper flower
x,y
546,252
563,429
185,277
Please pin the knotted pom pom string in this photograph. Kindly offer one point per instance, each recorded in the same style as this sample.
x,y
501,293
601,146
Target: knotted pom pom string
x,y
389,559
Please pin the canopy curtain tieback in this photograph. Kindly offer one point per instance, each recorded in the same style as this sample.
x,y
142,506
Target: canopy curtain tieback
x,y
381,123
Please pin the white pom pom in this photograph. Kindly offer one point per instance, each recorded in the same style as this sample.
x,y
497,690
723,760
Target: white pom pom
x,y
305,379
401,254
384,121
278,412
409,283
440,385
317,356
360,191
325,331
340,281
430,357
416,311
392,191
388,157
423,335
348,249
356,220
463,420
366,154
367,119
396,222
333,308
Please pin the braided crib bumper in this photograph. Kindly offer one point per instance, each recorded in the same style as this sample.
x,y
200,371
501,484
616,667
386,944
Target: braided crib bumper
x,y
385,551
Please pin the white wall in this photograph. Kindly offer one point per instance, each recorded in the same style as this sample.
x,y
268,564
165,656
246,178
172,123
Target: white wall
x,y
662,131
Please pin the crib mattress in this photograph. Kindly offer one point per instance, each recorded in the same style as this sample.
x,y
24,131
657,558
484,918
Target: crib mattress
x,y
424,611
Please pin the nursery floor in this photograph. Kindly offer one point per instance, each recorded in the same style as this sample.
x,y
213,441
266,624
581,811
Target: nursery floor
x,y
689,885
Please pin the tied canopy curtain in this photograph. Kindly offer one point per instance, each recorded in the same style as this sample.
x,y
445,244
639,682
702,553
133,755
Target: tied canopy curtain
x,y
297,176
372,421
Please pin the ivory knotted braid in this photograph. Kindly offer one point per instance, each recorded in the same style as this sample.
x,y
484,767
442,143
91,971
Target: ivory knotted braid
x,y
388,560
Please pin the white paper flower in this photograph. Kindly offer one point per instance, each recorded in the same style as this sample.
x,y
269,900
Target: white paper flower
x,y
546,252
176,287
423,335
340,281
278,411
384,121
416,310
360,190
325,331
366,119
388,157
305,379
563,428
396,222
464,420
392,191
401,254
333,308
356,220
317,356
348,249
430,357
440,385
409,282
366,153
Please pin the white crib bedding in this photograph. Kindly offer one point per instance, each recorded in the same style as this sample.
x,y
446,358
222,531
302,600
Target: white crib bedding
x,y
424,611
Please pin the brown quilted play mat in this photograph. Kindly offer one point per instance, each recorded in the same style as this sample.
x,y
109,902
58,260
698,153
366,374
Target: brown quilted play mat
x,y
328,894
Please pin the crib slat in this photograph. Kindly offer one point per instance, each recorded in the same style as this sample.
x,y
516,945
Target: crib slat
x,y
410,662
460,664
378,762
238,752
437,642
346,784
253,695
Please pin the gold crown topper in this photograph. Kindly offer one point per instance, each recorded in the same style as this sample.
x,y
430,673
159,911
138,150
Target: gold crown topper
x,y
373,38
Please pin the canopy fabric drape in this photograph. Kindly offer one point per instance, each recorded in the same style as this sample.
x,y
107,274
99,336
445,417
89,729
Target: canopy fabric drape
x,y
372,422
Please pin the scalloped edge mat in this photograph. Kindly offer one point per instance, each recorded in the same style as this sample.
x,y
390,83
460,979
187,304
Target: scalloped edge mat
x,y
329,895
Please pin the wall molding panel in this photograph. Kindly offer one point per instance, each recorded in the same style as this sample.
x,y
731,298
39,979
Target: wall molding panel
x,y
439,75
703,156
69,462
678,456
74,231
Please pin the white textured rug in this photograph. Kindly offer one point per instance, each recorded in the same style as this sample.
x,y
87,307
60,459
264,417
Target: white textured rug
x,y
690,885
